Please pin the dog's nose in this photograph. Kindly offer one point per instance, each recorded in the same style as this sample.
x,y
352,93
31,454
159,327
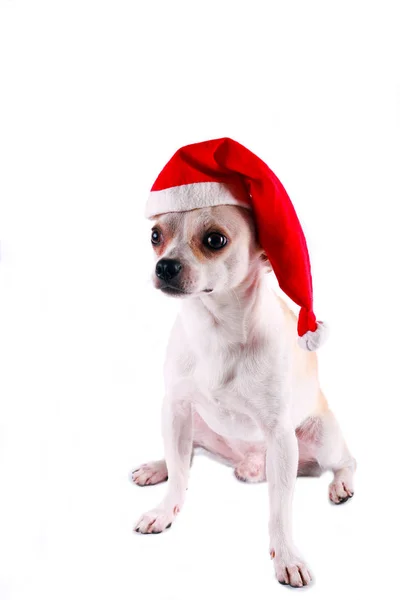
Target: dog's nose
x,y
167,268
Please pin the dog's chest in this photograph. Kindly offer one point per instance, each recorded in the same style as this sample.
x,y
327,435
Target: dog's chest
x,y
235,369
234,381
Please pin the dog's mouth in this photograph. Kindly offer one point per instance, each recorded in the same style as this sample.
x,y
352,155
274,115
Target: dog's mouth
x,y
172,290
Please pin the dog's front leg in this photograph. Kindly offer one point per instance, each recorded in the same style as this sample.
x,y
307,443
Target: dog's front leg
x,y
281,464
178,443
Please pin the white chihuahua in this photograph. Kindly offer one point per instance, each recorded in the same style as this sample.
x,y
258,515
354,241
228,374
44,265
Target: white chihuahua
x,y
237,383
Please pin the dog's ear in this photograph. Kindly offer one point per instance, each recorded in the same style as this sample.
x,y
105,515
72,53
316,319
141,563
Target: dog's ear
x,y
265,261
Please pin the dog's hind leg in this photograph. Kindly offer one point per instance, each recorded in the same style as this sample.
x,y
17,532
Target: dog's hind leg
x,y
150,473
332,453
252,468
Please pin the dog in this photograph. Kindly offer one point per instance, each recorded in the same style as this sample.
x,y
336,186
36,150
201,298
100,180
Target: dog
x,y
237,383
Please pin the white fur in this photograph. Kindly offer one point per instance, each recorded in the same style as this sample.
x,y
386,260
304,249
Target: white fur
x,y
195,195
237,384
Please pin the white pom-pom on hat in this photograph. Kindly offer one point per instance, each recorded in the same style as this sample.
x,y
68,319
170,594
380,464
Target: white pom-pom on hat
x,y
312,340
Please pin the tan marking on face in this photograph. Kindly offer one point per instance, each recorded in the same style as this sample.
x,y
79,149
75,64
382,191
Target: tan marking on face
x,y
197,250
168,226
200,224
200,249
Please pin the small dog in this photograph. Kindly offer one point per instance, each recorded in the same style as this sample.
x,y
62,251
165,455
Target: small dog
x,y
237,382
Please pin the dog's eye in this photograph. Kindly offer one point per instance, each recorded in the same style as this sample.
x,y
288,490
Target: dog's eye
x,y
155,237
215,241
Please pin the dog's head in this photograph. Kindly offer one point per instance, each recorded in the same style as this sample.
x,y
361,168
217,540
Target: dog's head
x,y
204,250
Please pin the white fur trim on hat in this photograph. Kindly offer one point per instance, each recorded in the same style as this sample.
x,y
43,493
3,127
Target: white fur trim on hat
x,y
195,195
312,340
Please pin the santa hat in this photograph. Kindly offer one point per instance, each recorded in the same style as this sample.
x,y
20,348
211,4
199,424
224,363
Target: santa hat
x,y
222,171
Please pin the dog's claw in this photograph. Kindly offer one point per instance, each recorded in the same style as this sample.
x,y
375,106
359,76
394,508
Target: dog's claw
x,y
343,500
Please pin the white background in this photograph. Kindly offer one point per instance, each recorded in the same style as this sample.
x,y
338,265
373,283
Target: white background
x,y
95,98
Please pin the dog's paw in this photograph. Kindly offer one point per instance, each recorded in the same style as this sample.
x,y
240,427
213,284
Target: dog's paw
x,y
291,570
251,469
156,521
340,491
150,473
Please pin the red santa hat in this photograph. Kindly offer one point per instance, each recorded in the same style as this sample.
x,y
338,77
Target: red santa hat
x,y
222,171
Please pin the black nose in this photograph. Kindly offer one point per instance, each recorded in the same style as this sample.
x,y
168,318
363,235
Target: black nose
x,y
167,268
